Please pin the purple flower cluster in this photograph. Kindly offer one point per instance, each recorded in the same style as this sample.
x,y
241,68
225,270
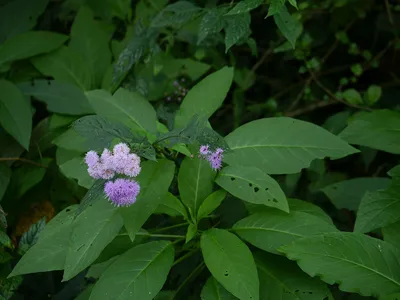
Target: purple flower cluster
x,y
180,91
214,158
121,192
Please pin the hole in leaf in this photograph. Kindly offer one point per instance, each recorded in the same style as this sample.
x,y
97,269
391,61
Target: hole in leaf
x,y
296,291
274,200
266,189
67,210
250,185
256,189
233,178
310,293
226,273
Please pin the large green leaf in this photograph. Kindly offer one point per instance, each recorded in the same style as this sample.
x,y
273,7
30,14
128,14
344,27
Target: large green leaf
x,y
15,113
378,130
237,28
89,38
309,208
60,97
378,209
358,263
282,279
212,290
5,176
175,14
126,107
77,169
347,194
195,183
231,263
289,26
205,97
211,203
245,6
211,23
29,44
139,273
252,185
65,65
275,7
282,145
49,253
172,206
19,16
92,231
154,179
391,234
269,230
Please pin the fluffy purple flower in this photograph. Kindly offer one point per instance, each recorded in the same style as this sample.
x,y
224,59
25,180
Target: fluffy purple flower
x,y
91,158
204,150
215,159
132,167
121,148
122,192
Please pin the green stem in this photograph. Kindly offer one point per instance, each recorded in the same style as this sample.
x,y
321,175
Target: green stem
x,y
183,257
194,273
171,227
172,236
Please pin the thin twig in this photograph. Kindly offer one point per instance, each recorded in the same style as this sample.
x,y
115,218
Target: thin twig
x,y
311,108
23,160
389,12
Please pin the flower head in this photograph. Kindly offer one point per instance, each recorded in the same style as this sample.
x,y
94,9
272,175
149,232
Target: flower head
x,y
215,160
122,192
121,148
91,158
132,165
204,150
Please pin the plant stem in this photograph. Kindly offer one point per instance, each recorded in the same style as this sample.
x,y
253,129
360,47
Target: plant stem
x,y
23,160
183,257
172,236
195,272
170,227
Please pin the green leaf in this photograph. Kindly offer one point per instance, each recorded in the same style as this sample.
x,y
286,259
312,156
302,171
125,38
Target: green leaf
x,y
252,185
391,234
235,270
49,253
348,194
14,20
191,232
139,273
358,263
282,279
71,140
154,179
392,297
92,231
89,38
172,206
378,209
216,85
34,43
352,96
15,113
289,27
282,145
5,240
212,290
373,94
31,237
65,65
195,183
129,108
5,176
245,6
175,14
59,97
379,129
275,7
76,169
309,208
237,27
211,23
271,229
210,204
293,3
93,195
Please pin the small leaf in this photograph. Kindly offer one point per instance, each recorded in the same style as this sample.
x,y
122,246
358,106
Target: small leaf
x,y
211,23
379,129
191,232
31,237
65,65
154,179
172,206
60,97
212,290
289,27
348,194
49,253
252,185
282,279
352,96
282,145
15,113
5,240
139,273
237,27
245,6
210,204
271,229
235,270
35,43
5,176
195,183
175,14
358,263
92,231
275,7
293,3
194,103
373,94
